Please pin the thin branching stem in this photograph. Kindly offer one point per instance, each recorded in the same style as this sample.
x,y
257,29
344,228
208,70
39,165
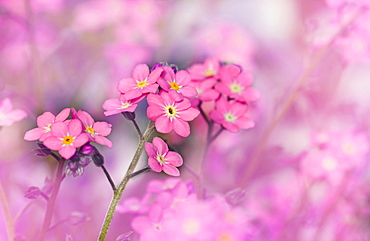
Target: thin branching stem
x,y
118,192
109,178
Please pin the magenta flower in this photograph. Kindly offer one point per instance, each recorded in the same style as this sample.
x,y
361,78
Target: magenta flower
x,y
207,70
177,85
143,82
160,159
65,138
116,106
7,115
236,84
44,122
231,115
170,115
95,130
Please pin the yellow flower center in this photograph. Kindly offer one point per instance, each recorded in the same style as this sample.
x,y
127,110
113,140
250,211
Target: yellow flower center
x,y
47,128
125,105
174,86
142,84
90,130
235,88
67,140
209,72
161,159
229,117
171,111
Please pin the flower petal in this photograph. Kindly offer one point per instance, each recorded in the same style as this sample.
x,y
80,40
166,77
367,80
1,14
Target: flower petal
x,y
161,146
67,151
171,170
174,159
163,124
34,134
181,127
154,165
141,72
103,141
53,143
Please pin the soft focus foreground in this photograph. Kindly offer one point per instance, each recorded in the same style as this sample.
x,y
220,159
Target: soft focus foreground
x,y
260,117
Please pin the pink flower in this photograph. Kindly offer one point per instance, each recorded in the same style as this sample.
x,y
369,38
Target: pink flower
x,y
7,115
66,138
177,85
205,91
207,70
95,130
160,159
170,115
143,82
231,115
44,122
116,106
236,84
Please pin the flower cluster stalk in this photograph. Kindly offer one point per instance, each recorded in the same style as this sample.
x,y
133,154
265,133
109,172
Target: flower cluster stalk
x,y
118,192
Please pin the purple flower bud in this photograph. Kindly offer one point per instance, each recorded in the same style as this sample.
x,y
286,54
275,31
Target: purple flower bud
x,y
87,149
32,192
129,115
157,65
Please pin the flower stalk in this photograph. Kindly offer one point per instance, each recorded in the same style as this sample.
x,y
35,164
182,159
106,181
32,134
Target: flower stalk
x,y
118,192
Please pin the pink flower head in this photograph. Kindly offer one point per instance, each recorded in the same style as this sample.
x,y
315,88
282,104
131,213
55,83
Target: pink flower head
x,y
236,84
207,70
160,159
170,115
205,91
7,115
116,106
95,130
177,85
65,138
143,82
44,123
231,115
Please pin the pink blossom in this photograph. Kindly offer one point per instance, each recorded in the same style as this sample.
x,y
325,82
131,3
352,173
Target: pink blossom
x,y
95,130
231,115
7,115
157,186
116,106
205,91
143,82
236,84
44,123
170,115
66,138
160,159
177,85
207,70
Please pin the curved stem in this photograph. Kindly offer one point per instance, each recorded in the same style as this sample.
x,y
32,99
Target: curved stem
x,y
51,202
137,129
7,216
118,192
109,178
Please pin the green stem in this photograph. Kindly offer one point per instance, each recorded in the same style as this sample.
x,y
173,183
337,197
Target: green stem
x,y
118,192
51,202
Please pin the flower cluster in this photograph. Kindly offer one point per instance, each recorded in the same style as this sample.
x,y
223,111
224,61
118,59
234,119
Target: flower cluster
x,y
167,91
170,210
64,135
229,87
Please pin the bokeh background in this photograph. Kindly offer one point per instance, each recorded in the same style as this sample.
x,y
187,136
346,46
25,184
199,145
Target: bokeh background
x,y
304,166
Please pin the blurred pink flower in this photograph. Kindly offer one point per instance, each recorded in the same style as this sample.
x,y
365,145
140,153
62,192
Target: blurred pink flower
x,y
44,122
209,69
66,138
231,115
205,91
95,130
177,85
235,84
143,82
170,115
7,115
116,106
160,159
